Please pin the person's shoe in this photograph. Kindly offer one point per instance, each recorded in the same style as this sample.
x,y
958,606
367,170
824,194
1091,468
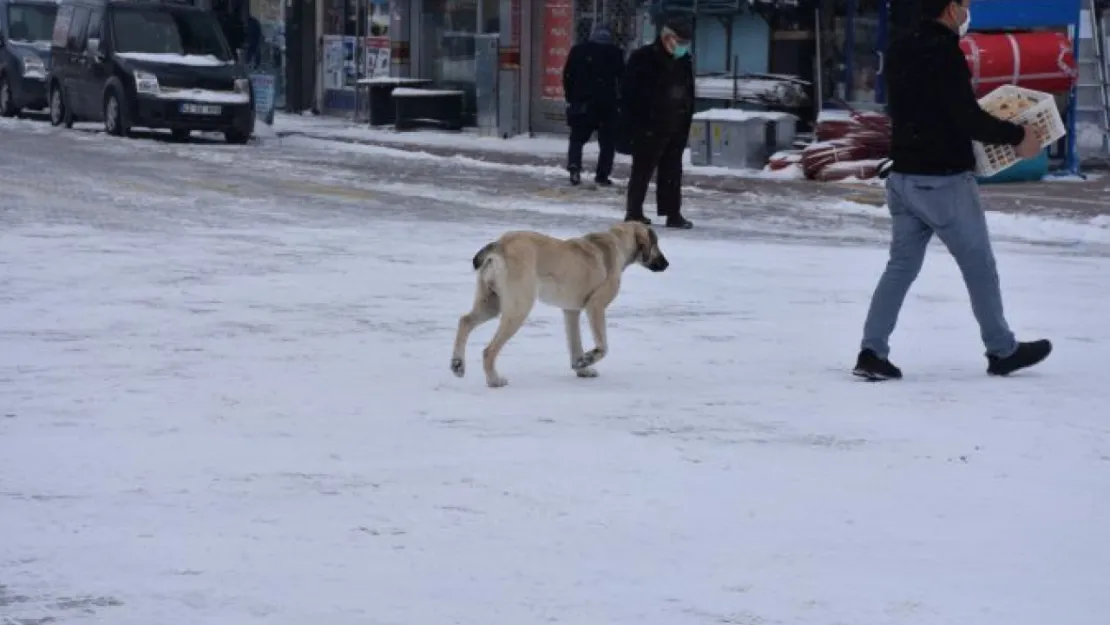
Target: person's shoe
x,y
603,182
680,223
575,178
638,218
871,367
1027,355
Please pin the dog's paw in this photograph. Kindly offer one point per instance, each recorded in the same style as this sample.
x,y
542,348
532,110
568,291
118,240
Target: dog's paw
x,y
588,359
458,367
496,381
586,372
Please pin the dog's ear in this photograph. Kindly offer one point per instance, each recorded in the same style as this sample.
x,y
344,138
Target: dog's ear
x,y
646,240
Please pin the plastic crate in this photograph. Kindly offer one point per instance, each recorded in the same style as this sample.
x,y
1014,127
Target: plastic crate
x,y
1021,106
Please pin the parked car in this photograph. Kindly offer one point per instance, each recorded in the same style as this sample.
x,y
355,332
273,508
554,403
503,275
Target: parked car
x,y
153,63
25,30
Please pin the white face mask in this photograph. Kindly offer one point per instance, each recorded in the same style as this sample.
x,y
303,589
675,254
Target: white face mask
x,y
966,24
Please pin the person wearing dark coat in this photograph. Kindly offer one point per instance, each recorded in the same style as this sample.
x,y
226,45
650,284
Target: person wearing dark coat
x,y
932,189
657,107
591,85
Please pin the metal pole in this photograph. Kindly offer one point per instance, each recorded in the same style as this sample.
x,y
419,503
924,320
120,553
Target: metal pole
x,y
818,70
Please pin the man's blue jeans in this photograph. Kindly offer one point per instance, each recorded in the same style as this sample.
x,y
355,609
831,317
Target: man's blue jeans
x,y
948,206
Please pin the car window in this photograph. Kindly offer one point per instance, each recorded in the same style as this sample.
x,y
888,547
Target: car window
x,y
158,31
76,40
31,22
61,26
94,25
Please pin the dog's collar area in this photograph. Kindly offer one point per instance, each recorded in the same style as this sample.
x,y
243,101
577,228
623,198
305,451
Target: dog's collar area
x,y
633,257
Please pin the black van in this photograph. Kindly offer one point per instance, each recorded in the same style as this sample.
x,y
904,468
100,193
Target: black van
x,y
25,29
152,63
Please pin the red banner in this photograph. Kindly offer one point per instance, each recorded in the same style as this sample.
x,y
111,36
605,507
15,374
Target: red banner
x,y
558,36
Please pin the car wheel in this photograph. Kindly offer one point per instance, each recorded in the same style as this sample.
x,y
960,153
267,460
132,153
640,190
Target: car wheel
x,y
59,112
180,134
237,137
7,104
116,122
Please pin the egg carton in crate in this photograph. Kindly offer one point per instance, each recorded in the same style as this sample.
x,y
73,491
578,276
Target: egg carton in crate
x,y
1021,106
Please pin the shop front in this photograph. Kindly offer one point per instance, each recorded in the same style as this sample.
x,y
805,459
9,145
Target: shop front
x,y
265,44
853,39
469,46
354,44
556,26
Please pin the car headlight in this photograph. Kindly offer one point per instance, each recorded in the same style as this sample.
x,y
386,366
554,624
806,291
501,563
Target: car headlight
x,y
33,67
242,85
145,82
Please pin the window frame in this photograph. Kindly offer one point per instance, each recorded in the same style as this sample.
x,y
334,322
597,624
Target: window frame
x,y
76,38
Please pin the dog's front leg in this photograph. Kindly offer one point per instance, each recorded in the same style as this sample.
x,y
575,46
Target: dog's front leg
x,y
574,343
595,314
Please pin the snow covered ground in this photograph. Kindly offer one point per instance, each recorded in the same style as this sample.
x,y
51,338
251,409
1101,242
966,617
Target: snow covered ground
x,y
225,399
545,146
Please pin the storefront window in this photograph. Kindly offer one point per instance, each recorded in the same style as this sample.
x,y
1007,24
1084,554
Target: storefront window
x,y
854,32
356,45
448,35
265,43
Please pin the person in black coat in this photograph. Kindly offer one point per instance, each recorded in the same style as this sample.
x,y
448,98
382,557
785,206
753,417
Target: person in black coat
x,y
591,84
657,104
932,189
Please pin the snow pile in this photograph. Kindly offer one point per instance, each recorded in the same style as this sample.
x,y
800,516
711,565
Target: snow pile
x,y
764,90
167,58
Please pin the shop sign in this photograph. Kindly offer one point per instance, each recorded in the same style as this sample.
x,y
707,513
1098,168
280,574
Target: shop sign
x,y
558,36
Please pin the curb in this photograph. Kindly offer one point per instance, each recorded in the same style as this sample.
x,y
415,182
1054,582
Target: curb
x,y
802,189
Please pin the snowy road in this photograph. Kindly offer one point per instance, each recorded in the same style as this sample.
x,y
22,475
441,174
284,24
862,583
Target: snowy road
x,y
225,399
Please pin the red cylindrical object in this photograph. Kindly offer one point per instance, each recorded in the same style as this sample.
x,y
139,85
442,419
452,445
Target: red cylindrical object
x,y
1041,61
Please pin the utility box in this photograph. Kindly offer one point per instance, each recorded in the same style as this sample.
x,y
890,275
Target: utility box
x,y
739,139
736,139
782,131
699,142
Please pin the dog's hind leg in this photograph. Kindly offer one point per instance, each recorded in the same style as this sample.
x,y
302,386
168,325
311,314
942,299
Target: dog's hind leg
x,y
571,319
487,305
595,314
514,311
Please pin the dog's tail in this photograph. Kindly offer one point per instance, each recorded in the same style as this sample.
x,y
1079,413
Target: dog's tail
x,y
483,255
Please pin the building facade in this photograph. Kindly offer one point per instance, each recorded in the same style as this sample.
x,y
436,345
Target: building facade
x,y
507,56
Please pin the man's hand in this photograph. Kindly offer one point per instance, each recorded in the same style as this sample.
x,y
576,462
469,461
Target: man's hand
x,y
1030,145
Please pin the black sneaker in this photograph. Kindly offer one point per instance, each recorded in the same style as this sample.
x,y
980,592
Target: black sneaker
x,y
603,182
1027,355
639,218
575,178
870,367
679,222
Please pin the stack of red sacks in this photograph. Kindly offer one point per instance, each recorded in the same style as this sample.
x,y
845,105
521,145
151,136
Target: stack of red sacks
x,y
847,147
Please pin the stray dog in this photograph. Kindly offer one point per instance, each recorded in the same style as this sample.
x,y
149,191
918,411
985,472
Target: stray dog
x,y
573,274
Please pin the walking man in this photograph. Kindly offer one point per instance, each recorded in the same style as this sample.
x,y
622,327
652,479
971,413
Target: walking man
x,y
932,188
591,85
657,106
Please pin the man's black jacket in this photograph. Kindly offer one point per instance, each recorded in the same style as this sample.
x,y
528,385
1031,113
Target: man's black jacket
x,y
591,79
647,110
933,107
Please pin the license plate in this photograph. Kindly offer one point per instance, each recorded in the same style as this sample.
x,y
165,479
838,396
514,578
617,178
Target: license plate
x,y
201,109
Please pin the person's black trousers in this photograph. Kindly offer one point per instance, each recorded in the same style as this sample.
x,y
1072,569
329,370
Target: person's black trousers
x,y
580,133
662,157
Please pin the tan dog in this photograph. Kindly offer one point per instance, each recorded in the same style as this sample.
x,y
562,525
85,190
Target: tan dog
x,y
573,274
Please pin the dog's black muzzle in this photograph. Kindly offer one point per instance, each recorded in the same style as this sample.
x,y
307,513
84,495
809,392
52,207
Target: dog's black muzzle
x,y
658,264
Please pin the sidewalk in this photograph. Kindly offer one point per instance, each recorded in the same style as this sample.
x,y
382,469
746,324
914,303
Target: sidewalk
x,y
1070,198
